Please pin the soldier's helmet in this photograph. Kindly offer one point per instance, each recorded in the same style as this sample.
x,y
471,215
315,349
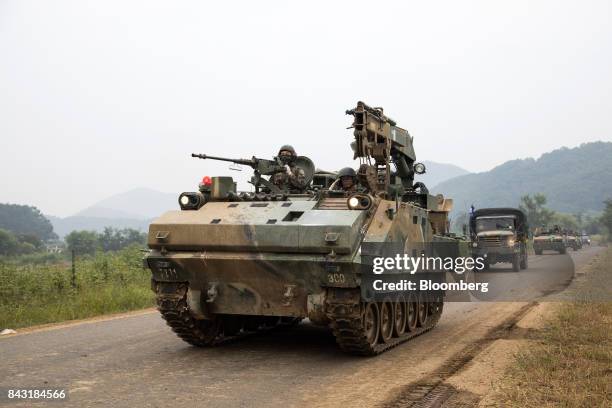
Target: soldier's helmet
x,y
347,172
287,148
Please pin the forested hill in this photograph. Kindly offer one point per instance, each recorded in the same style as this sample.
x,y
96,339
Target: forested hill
x,y
25,220
573,180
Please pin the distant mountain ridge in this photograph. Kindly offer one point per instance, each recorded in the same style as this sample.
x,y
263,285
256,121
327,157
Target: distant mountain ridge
x,y
437,173
573,180
131,209
138,203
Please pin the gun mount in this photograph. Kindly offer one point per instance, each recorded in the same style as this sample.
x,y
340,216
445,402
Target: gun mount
x,y
380,142
264,167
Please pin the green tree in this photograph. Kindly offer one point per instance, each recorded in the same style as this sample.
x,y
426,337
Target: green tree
x,y
580,219
83,242
31,239
592,225
115,239
24,219
606,218
8,243
566,221
11,244
533,207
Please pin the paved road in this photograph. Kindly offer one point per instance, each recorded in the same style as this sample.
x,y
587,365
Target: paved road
x,y
137,361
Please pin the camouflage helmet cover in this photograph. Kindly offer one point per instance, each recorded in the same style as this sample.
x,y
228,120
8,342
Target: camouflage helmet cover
x,y
347,172
287,148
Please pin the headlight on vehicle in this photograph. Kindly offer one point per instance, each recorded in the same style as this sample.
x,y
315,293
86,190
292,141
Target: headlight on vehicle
x,y
510,242
474,244
359,201
191,200
419,168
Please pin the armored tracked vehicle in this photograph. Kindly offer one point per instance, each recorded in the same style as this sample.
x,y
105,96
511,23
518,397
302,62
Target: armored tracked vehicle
x,y
573,240
550,240
231,263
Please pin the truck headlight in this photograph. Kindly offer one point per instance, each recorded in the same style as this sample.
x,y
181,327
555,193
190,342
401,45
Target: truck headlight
x,y
510,242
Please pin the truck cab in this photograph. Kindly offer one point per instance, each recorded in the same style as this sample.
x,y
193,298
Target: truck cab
x,y
500,235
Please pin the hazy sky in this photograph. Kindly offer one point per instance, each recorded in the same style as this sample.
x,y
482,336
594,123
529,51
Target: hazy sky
x,y
98,97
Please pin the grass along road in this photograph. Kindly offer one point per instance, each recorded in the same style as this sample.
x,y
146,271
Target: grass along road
x,y
110,282
568,361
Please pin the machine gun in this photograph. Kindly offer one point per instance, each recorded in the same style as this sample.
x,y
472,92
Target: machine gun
x,y
378,143
264,167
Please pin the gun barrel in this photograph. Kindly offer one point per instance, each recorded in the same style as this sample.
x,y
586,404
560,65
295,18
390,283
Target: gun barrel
x,y
247,162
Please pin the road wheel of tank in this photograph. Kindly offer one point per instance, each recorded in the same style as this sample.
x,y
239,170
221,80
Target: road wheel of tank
x,y
412,307
371,323
386,321
422,310
399,317
516,262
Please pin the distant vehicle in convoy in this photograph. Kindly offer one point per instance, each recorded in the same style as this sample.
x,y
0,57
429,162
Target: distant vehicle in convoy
x,y
573,240
585,239
500,235
549,240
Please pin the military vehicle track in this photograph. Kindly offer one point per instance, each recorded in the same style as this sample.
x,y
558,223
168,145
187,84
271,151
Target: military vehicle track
x,y
172,303
346,317
348,326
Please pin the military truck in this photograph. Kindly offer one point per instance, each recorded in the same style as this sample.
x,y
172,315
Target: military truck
x,y
231,263
585,239
549,240
500,235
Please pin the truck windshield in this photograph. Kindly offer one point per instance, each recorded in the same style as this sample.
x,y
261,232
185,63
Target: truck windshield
x,y
494,224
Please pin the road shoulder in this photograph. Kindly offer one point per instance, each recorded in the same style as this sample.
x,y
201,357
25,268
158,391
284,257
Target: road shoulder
x,y
552,348
78,322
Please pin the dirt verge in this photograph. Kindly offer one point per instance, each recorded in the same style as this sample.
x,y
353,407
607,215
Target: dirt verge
x,y
538,347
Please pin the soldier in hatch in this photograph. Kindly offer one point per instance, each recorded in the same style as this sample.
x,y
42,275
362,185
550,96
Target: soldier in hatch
x,y
293,178
347,180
